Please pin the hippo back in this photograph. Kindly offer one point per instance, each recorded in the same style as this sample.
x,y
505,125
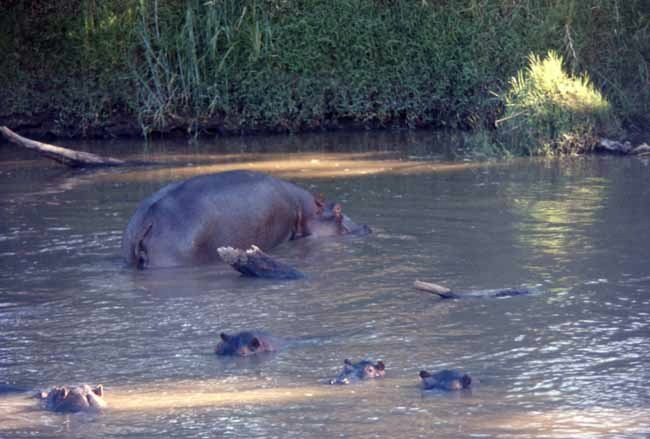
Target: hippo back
x,y
185,222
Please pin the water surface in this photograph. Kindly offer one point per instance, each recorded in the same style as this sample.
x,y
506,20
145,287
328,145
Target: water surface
x,y
568,361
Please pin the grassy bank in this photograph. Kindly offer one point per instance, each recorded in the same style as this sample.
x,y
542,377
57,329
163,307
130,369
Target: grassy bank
x,y
226,66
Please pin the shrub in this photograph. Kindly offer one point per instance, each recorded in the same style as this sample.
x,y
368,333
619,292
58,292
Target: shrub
x,y
551,112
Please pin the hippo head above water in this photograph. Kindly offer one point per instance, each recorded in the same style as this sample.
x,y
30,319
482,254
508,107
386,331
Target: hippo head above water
x,y
363,370
445,380
329,220
245,343
72,400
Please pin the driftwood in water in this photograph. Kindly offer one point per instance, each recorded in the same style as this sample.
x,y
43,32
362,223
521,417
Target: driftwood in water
x,y
255,263
624,148
431,287
68,157
446,293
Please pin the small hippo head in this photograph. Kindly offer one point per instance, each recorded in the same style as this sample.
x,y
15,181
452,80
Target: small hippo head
x,y
330,220
76,399
242,344
363,370
445,380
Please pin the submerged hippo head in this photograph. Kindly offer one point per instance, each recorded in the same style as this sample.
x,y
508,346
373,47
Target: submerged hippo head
x,y
363,370
243,344
76,399
330,220
445,380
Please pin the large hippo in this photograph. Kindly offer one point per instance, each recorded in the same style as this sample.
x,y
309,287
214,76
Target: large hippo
x,y
362,370
184,223
72,400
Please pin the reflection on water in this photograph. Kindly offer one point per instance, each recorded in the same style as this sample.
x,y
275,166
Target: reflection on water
x,y
554,212
568,362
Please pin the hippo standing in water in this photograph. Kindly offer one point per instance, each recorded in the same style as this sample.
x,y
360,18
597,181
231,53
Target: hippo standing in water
x,y
77,399
448,379
247,343
362,370
184,223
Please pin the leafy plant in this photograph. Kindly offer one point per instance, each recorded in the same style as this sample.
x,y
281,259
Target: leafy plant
x,y
549,111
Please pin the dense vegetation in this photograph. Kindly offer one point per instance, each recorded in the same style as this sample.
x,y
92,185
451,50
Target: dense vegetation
x,y
91,67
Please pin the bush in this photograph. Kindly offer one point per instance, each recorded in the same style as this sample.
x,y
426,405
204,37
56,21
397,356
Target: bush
x,y
551,112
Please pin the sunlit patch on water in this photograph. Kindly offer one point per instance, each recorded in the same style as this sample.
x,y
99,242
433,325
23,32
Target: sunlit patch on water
x,y
295,167
143,400
22,411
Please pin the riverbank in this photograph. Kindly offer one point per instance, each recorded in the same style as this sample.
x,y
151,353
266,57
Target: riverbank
x,y
119,69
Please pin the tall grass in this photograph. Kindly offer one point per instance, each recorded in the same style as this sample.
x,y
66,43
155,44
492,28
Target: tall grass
x,y
184,70
296,65
307,64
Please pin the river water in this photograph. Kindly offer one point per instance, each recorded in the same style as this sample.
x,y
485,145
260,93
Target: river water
x,y
570,360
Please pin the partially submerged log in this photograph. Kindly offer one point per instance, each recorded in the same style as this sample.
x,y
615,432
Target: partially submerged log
x,y
431,287
624,148
446,293
255,263
68,157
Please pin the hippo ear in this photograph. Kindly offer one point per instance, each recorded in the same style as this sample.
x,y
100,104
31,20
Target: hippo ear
x,y
225,337
380,365
347,362
319,200
466,380
64,392
424,374
99,390
255,343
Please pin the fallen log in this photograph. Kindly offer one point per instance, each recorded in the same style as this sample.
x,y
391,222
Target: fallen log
x,y
431,287
68,157
446,293
622,148
255,263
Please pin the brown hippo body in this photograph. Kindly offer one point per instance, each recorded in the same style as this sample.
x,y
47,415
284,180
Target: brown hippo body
x,y
185,222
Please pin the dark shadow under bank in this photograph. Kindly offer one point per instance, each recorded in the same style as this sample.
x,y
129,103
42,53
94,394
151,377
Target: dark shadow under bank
x,y
46,126
452,142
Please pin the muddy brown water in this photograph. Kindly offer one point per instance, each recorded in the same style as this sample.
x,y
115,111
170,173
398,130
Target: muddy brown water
x,y
569,361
